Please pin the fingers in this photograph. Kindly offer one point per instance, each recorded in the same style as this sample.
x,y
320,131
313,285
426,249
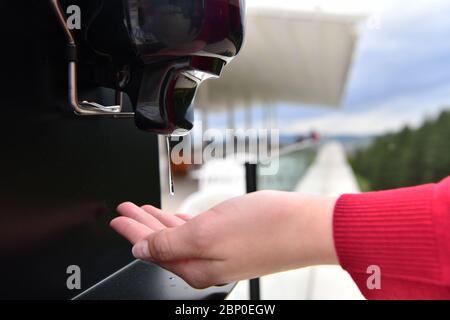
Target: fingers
x,y
134,212
157,236
167,219
167,240
184,217
130,229
168,245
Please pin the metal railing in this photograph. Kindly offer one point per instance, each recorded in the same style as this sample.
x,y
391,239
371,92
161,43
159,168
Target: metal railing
x,y
294,161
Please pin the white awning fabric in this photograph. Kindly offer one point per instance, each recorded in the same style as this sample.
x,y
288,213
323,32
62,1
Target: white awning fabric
x,y
288,57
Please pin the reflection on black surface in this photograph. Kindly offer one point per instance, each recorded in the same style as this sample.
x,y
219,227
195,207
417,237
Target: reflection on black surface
x,y
25,227
177,28
151,283
61,181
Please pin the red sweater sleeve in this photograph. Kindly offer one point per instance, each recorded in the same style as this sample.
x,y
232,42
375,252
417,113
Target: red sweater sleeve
x,y
405,233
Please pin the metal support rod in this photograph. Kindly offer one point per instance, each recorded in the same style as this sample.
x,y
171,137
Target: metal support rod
x,y
83,108
231,121
251,171
248,117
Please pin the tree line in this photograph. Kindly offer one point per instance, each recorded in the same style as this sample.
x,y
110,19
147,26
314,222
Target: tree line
x,y
406,158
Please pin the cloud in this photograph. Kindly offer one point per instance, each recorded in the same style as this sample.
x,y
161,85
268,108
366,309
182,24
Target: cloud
x,y
408,53
332,6
390,116
366,123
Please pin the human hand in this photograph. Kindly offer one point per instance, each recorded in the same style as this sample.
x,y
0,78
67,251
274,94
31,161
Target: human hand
x,y
245,237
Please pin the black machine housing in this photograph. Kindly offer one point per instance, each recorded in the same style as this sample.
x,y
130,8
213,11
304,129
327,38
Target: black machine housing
x,y
157,52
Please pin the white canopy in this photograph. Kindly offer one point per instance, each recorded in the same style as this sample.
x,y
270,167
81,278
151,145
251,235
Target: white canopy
x,y
288,57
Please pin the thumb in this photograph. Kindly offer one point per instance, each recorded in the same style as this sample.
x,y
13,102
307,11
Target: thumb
x,y
171,244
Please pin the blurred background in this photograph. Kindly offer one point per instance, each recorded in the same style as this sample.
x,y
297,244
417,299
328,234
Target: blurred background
x,y
360,94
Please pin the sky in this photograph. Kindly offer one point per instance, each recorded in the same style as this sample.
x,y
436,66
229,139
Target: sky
x,y
400,74
334,6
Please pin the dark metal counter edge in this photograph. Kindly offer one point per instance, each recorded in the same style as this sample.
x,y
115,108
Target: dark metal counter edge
x,y
140,280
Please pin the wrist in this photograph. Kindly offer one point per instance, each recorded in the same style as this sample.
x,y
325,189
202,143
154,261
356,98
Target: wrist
x,y
314,216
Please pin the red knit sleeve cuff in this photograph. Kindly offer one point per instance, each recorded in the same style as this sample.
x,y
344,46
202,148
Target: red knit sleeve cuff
x,y
393,230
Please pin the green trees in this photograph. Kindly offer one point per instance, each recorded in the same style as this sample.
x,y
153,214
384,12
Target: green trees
x,y
406,158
